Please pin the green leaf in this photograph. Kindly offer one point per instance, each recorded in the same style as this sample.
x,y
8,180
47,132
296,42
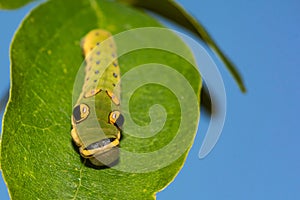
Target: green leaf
x,y
13,4
38,159
171,10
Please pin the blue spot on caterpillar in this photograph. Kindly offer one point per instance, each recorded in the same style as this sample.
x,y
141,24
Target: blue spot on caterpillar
x,y
99,101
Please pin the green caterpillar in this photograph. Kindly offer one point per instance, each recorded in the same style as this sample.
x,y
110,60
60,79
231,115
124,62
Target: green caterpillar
x,y
96,118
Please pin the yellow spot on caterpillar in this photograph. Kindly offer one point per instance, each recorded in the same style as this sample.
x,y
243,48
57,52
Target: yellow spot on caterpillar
x,y
92,38
113,97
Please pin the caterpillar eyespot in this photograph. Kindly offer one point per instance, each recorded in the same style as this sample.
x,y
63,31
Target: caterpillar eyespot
x,y
116,118
99,90
80,113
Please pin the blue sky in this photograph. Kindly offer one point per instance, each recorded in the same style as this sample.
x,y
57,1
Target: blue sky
x,y
257,156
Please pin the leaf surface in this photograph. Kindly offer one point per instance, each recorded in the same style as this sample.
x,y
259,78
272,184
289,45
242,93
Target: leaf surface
x,y
38,159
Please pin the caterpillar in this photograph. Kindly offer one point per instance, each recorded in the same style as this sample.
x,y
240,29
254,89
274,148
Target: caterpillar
x,y
96,117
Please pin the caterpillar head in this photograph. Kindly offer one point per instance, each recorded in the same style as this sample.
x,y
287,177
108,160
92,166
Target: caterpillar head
x,y
92,39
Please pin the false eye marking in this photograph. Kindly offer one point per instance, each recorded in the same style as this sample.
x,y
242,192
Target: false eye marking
x,y
80,113
116,118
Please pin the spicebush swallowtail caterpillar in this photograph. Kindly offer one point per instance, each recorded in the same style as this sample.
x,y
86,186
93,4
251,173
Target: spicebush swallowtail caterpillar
x,y
99,101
